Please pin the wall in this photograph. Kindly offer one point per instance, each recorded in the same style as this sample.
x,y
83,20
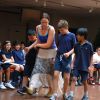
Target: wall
x,y
75,21
11,27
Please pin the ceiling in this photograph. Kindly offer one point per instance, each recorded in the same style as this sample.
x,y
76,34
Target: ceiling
x,y
72,6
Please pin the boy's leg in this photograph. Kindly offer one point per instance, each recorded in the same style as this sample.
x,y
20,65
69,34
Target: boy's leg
x,y
72,87
55,82
84,76
55,85
66,82
22,90
85,87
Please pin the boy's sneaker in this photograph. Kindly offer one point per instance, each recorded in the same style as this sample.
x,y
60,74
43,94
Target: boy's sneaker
x,y
70,98
22,90
53,97
9,85
85,97
67,97
2,86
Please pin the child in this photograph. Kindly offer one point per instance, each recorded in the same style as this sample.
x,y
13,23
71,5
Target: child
x,y
29,62
18,61
96,67
22,45
66,42
7,58
81,62
1,72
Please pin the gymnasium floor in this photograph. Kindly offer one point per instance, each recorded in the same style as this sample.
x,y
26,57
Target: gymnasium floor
x,y
94,94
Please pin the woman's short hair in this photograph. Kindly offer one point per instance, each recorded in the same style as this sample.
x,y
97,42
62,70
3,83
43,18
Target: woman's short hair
x,y
63,24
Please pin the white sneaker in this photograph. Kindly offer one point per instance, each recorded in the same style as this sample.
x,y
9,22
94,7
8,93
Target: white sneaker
x,y
52,97
9,85
2,86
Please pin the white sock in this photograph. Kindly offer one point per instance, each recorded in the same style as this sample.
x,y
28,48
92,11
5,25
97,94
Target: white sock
x,y
71,93
86,93
55,94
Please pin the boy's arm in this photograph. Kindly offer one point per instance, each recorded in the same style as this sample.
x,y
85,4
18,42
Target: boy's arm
x,y
91,64
69,53
73,60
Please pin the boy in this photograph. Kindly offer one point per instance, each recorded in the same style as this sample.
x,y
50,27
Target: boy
x,y
82,60
66,42
29,61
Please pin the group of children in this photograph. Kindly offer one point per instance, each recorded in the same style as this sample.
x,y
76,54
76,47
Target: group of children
x,y
84,62
12,57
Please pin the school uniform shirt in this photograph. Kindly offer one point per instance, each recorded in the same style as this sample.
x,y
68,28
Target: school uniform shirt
x,y
7,54
96,59
83,54
18,56
66,43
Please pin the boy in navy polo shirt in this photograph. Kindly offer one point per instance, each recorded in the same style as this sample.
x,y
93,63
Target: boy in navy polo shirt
x,y
66,42
82,61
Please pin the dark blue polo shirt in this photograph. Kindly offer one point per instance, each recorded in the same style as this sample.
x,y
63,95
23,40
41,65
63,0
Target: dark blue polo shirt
x,y
18,56
83,54
7,54
66,42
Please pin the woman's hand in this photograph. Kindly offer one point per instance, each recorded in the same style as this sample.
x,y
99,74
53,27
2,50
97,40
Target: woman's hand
x,y
26,49
37,46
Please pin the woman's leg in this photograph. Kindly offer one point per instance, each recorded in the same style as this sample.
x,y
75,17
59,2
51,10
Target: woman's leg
x,y
50,83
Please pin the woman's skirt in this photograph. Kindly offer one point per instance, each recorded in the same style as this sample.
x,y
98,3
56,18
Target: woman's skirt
x,y
43,67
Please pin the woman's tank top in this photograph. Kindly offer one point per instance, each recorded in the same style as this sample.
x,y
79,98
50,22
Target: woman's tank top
x,y
44,38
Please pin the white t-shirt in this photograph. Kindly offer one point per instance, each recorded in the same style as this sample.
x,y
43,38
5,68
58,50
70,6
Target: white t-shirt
x,y
96,58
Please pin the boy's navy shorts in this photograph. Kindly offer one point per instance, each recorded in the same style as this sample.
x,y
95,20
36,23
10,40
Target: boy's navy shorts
x,y
62,64
83,74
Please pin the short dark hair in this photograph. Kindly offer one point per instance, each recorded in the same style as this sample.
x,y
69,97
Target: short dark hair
x,y
62,24
98,47
31,32
16,43
46,15
82,32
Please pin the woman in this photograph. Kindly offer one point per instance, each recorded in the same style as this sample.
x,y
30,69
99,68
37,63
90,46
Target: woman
x,y
47,51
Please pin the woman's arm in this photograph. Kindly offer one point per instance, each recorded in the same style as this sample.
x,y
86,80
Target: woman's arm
x,y
50,39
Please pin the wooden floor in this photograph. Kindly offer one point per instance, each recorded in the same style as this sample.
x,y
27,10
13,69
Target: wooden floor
x,y
94,94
